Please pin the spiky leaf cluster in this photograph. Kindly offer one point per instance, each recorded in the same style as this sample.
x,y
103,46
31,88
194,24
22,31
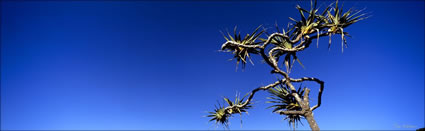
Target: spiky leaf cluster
x,y
290,57
241,54
309,24
284,101
222,114
336,21
235,106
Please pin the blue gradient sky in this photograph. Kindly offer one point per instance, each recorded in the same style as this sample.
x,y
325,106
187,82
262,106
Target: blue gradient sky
x,y
156,65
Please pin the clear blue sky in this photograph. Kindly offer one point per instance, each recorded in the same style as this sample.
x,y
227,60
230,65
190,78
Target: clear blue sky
x,y
156,65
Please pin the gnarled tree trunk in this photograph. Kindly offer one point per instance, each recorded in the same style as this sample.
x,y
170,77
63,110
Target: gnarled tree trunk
x,y
311,121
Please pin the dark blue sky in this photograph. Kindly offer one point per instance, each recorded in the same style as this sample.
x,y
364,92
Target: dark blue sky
x,y
156,65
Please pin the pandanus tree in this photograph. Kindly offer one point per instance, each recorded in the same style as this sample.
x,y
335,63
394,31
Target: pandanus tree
x,y
289,101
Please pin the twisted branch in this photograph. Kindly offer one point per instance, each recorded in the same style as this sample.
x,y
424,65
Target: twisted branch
x,y
322,86
271,60
291,112
234,43
253,93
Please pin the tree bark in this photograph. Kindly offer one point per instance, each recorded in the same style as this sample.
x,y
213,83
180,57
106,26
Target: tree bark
x,y
311,121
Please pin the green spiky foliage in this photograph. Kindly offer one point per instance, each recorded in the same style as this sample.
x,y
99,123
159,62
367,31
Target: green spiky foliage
x,y
222,114
284,101
243,54
290,57
309,24
306,25
337,21
236,109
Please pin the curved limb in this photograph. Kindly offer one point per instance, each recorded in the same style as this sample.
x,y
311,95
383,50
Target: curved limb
x,y
322,86
247,101
233,43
